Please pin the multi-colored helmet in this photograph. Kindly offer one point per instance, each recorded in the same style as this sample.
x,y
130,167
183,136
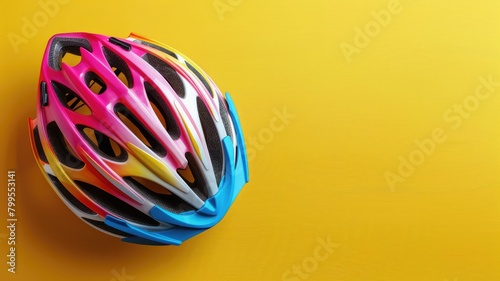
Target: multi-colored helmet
x,y
135,138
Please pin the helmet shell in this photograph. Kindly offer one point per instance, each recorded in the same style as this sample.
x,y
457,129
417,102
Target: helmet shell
x,y
135,138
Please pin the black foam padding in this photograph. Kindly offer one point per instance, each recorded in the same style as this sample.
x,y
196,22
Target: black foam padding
x,y
58,144
104,144
212,138
121,66
115,205
62,45
170,202
44,96
122,44
107,228
68,196
153,142
154,46
203,80
224,113
158,100
38,145
167,72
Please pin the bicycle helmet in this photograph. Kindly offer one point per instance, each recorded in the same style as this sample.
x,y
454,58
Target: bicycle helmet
x,y
135,138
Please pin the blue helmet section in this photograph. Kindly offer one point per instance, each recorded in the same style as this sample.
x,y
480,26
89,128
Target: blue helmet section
x,y
189,224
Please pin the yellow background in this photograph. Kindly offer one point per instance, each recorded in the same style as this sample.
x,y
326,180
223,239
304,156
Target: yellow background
x,y
321,176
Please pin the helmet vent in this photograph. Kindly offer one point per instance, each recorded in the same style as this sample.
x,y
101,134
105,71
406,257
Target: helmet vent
x,y
158,194
162,111
119,67
95,83
103,144
202,79
193,176
114,205
64,153
187,175
38,145
154,46
71,56
68,196
70,99
212,138
138,129
167,72
104,227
